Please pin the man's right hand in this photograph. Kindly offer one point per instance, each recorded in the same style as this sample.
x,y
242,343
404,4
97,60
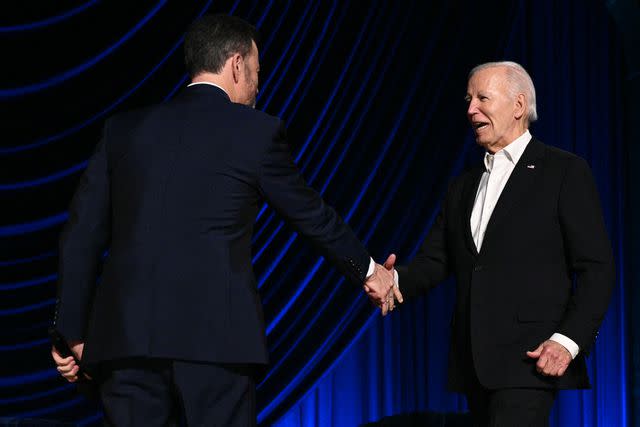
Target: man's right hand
x,y
380,286
389,265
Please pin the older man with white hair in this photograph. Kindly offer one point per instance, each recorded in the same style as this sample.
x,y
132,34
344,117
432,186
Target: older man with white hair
x,y
524,236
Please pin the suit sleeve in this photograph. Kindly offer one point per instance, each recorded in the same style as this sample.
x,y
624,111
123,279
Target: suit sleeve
x,y
430,266
589,255
82,244
284,188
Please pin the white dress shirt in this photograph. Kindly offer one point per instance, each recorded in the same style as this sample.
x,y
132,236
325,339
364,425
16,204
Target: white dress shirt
x,y
498,169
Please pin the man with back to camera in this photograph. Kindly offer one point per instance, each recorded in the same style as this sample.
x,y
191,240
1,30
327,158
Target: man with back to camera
x,y
516,231
176,326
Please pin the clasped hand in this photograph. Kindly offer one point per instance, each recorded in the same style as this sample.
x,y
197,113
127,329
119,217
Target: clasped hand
x,y
381,287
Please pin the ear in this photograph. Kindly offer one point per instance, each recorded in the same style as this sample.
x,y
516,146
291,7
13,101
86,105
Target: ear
x,y
237,67
520,106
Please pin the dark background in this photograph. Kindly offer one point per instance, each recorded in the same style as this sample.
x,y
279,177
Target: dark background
x,y
373,96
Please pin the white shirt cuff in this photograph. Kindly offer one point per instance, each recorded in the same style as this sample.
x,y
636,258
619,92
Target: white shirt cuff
x,y
372,267
567,343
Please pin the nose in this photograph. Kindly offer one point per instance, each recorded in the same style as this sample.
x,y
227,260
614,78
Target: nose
x,y
472,108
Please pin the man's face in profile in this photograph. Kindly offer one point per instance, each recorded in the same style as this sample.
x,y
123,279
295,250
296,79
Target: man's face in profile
x,y
250,81
492,109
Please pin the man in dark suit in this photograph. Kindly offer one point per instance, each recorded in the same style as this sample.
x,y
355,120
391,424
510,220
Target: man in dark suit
x,y
175,327
516,232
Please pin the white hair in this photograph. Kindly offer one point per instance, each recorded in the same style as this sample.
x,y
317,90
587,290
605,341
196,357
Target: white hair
x,y
518,80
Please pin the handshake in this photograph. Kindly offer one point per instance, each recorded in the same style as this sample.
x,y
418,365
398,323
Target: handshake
x,y
382,288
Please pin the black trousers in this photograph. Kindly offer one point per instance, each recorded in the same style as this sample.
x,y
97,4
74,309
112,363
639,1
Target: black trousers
x,y
509,407
156,392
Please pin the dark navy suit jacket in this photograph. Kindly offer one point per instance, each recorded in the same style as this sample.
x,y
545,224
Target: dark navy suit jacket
x,y
546,230
172,192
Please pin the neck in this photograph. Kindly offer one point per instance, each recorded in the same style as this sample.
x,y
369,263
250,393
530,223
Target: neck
x,y
499,145
217,79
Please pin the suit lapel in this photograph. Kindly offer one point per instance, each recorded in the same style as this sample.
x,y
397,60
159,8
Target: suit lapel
x,y
521,180
468,197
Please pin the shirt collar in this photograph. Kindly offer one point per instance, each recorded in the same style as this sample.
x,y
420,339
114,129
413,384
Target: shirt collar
x,y
512,152
210,84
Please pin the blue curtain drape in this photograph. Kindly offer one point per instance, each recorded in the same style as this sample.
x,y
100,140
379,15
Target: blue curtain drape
x,y
373,98
626,15
398,364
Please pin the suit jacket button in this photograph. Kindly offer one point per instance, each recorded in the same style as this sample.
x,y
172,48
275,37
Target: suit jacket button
x,y
477,268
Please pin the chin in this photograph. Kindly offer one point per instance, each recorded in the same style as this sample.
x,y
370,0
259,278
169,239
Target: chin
x,y
481,142
486,145
484,140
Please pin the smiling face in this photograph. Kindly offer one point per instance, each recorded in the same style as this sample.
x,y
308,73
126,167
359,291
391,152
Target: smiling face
x,y
497,116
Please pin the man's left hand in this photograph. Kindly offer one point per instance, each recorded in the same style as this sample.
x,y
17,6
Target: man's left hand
x,y
553,358
68,367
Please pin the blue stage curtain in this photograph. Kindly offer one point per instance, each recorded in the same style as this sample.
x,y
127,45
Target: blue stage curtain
x,y
626,15
398,364
373,98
